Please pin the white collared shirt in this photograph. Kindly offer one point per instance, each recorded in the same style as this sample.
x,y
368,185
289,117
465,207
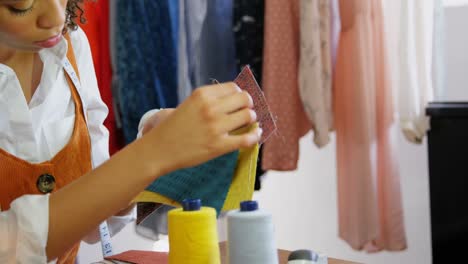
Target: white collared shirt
x,y
37,131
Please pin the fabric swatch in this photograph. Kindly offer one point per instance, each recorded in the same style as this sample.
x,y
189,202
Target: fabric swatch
x,y
224,182
241,183
246,81
209,182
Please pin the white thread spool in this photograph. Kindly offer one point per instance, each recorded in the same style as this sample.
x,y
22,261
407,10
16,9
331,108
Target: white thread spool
x,y
251,236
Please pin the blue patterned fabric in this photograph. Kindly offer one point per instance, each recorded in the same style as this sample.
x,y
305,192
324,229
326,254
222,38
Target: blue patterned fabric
x,y
146,36
209,182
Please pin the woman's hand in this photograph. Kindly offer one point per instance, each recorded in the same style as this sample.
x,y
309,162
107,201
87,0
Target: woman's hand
x,y
199,129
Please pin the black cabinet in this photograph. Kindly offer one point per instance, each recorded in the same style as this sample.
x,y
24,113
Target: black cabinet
x,y
448,179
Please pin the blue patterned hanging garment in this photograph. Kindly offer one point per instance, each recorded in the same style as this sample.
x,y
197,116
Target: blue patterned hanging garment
x,y
146,36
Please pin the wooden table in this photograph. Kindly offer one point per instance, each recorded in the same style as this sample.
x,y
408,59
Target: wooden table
x,y
160,257
283,256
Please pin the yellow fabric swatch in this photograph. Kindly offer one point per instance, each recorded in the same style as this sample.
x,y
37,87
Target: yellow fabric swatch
x,y
243,182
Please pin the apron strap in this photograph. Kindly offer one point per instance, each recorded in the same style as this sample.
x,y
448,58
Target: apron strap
x,y
71,69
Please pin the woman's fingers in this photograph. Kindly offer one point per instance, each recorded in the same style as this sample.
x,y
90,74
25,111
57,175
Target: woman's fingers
x,y
234,102
249,139
237,120
216,91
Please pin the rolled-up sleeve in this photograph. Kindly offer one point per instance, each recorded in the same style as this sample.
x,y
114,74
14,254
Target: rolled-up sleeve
x,y
24,229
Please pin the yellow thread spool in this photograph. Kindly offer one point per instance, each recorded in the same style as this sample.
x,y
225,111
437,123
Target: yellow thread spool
x,y
193,235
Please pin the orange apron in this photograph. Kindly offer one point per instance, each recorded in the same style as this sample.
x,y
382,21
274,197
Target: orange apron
x,y
19,177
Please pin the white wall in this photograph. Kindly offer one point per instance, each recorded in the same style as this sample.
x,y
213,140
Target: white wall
x,y
457,53
455,2
303,203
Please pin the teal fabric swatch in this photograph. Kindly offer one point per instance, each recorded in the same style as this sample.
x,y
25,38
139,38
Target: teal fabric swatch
x,y
209,182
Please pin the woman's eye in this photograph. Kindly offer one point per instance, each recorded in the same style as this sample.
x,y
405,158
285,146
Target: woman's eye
x,y
22,9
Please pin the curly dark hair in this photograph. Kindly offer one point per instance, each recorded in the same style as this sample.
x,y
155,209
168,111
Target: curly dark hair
x,y
74,11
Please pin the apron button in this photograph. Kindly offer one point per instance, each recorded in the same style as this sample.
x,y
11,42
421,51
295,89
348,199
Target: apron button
x,y
45,183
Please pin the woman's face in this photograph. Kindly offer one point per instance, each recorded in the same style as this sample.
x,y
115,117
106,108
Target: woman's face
x,y
31,25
